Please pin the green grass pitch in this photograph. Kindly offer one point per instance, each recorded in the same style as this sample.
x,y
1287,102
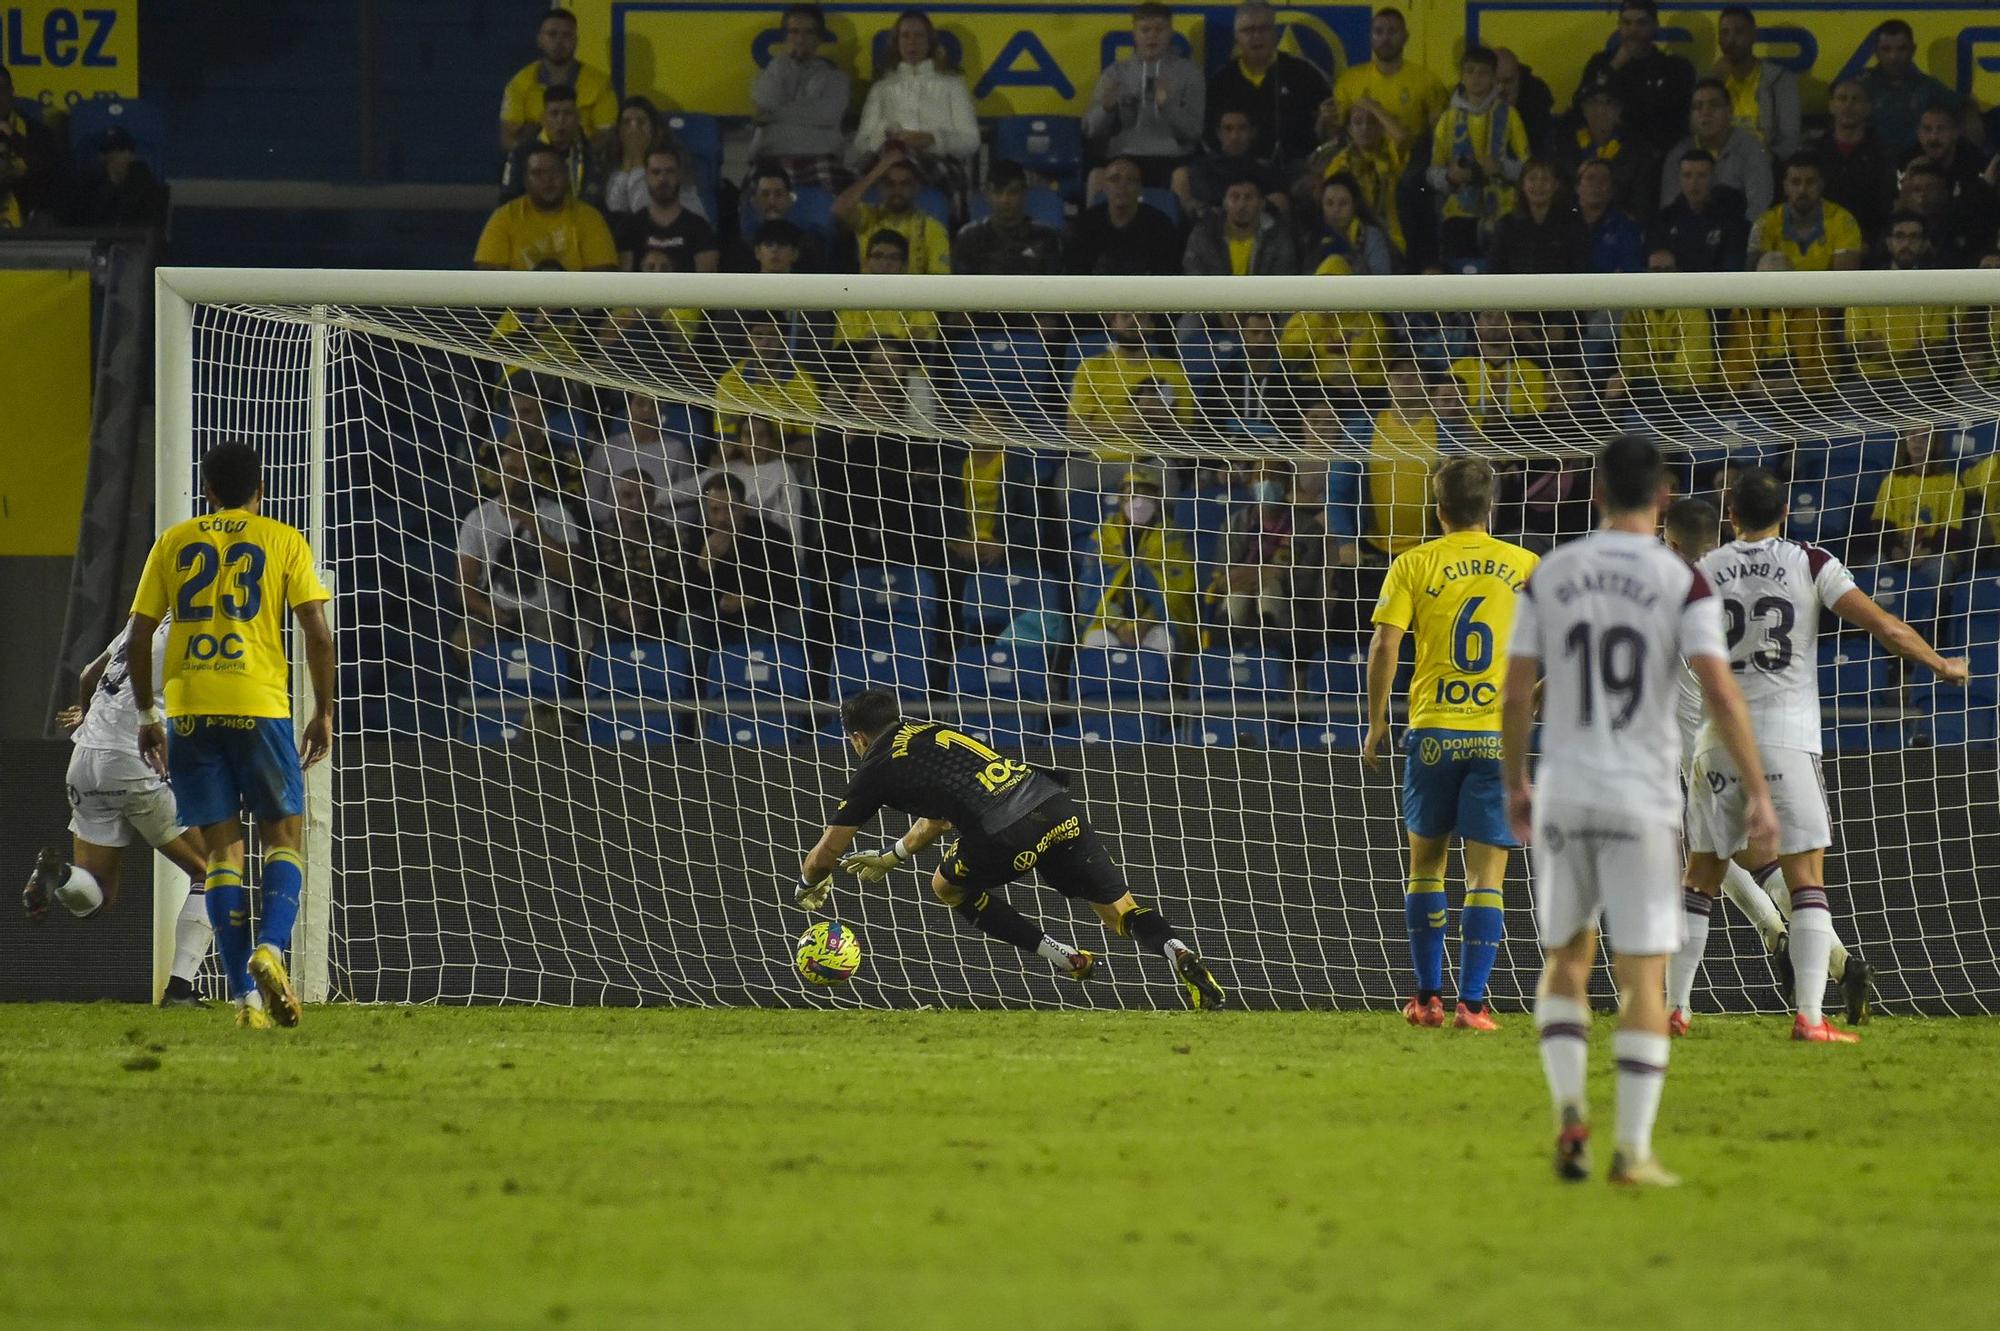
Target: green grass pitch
x,y
538,1168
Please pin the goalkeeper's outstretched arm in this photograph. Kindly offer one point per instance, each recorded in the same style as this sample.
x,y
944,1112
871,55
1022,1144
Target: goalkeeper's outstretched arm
x,y
874,867
822,858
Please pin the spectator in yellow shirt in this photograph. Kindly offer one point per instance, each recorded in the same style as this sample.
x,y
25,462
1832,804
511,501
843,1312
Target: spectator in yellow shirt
x,y
557,67
1779,350
768,381
1106,405
1374,158
930,243
1811,231
1901,341
1920,507
1496,379
1408,94
1478,151
1663,351
545,226
1401,453
888,253
1342,350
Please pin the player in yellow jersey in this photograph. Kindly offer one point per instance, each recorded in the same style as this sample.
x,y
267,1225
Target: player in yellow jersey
x,y
227,580
1457,592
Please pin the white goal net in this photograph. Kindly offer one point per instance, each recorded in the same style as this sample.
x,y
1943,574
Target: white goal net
x,y
608,551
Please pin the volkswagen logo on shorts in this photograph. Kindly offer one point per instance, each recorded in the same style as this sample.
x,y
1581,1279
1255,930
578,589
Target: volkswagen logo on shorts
x,y
184,726
1024,861
1430,751
1716,781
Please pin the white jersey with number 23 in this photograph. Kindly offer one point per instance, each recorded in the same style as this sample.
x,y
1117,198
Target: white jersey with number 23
x,y
1771,592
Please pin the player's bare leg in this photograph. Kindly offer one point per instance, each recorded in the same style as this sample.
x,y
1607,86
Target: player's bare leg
x,y
997,918
267,959
1424,916
1812,942
1480,931
1641,1048
1562,1023
1144,926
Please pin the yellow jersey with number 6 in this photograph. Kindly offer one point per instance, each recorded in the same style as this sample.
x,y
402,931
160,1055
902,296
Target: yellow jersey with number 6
x,y
225,582
1456,594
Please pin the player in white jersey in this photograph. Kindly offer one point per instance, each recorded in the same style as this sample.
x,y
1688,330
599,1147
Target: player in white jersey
x,y
1772,591
113,795
1607,621
1757,888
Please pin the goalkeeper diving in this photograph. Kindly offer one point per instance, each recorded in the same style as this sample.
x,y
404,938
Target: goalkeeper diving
x,y
1010,818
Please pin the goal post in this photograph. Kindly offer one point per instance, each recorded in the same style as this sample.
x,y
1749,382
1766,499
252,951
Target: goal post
x,y
599,791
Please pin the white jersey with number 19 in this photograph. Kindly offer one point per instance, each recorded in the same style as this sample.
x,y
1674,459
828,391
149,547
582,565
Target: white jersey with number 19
x,y
1611,617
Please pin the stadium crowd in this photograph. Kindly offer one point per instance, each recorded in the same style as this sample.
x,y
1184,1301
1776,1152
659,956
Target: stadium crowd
x,y
936,461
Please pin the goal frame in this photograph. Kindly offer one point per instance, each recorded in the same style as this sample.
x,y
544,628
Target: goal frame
x,y
178,290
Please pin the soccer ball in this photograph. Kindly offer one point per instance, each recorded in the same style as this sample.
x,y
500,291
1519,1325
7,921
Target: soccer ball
x,y
829,953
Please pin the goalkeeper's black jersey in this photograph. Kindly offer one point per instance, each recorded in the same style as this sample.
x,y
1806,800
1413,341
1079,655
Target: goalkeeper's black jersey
x,y
932,771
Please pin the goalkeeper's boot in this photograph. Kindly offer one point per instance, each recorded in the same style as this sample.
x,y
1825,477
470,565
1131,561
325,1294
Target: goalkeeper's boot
x,y
180,993
1082,965
1474,1017
1573,1148
1202,990
1424,1011
1824,1033
252,1018
1677,1022
1781,963
50,869
1647,1173
267,968
1857,986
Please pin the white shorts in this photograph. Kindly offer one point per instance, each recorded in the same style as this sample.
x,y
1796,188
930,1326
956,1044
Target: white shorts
x,y
112,795
1625,868
1716,805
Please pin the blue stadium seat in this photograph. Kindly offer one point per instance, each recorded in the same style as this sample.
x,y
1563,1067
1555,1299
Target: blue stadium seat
x,y
701,135
638,668
1322,736
1984,595
1000,728
489,728
888,593
1049,145
631,724
812,211
1982,654
1165,200
1239,676
1001,671
1850,674
1109,728
1339,677
517,667
896,663
1122,672
1010,368
993,597
761,671
89,119
1954,718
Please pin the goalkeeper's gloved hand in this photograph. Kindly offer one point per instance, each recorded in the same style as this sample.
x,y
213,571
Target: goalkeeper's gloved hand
x,y
811,896
874,868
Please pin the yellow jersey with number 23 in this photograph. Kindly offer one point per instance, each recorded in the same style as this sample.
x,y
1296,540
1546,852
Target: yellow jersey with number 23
x,y
225,581
1457,594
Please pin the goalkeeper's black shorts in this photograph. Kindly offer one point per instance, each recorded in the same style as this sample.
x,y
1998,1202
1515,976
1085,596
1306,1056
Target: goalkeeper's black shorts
x,y
1054,838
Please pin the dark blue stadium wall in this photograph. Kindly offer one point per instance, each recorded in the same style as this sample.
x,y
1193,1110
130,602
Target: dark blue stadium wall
x,y
363,93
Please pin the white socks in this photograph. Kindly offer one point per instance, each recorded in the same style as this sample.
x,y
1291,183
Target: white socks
x,y
1685,965
192,933
1812,948
79,893
1642,1075
1564,1026
1755,902
1062,954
